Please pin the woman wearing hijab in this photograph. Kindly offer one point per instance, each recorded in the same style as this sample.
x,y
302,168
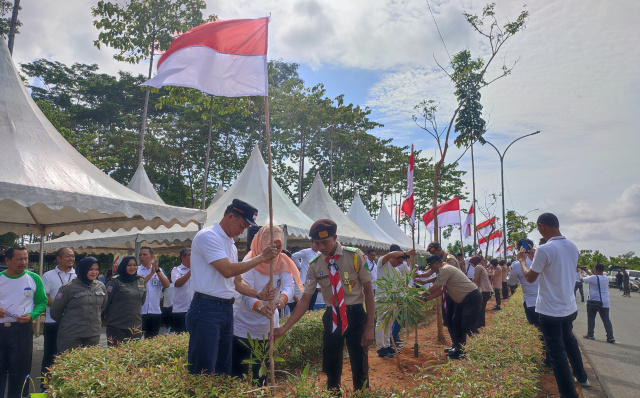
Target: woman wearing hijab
x,y
126,293
78,305
251,316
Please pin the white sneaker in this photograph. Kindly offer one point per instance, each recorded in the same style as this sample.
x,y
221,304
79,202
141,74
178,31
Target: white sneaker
x,y
586,384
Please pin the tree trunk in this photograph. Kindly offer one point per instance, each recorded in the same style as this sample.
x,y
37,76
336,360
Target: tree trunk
x,y
146,100
331,169
436,178
14,25
205,179
301,164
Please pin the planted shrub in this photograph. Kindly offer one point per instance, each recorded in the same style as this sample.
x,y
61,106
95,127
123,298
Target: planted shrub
x,y
302,344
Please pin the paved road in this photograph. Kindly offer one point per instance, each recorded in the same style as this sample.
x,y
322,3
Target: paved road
x,y
617,366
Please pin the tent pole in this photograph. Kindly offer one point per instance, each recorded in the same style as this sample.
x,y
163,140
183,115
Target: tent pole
x,y
40,270
205,179
137,248
266,118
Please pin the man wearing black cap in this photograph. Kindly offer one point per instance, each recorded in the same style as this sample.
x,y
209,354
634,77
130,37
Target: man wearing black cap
x,y
215,278
466,296
448,305
346,284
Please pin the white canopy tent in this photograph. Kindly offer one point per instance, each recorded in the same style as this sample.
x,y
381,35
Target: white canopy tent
x,y
386,223
360,216
141,184
47,186
318,204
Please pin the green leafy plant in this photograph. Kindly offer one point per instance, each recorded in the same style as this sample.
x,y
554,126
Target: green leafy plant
x,y
260,353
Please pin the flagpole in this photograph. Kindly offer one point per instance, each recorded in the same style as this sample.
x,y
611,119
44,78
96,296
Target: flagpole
x,y
461,242
266,118
206,161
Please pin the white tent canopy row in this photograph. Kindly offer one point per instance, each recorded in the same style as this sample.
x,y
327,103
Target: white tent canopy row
x,y
361,217
141,184
386,223
47,186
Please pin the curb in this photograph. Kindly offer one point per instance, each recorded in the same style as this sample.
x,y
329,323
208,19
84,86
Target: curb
x,y
596,390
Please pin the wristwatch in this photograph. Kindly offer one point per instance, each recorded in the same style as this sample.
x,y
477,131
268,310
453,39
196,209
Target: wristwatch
x,y
258,294
158,270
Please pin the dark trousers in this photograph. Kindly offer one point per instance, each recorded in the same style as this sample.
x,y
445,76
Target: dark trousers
x,y
240,353
604,315
50,334
578,286
532,316
505,290
513,289
16,350
448,309
179,325
497,293
210,326
395,331
465,318
151,325
66,343
561,344
115,336
167,317
485,299
312,302
333,346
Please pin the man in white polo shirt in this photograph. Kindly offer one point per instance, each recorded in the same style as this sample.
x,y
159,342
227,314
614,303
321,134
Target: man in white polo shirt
x,y
52,281
215,278
155,280
181,277
555,263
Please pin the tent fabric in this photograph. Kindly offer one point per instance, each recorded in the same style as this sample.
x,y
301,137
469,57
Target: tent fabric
x,y
141,184
386,223
46,185
359,214
318,204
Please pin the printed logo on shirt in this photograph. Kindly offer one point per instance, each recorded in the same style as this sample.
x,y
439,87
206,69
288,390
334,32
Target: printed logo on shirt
x,y
279,283
321,273
28,292
309,276
59,296
109,288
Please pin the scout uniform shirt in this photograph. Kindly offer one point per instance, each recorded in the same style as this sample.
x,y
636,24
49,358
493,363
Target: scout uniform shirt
x,y
124,303
456,282
353,273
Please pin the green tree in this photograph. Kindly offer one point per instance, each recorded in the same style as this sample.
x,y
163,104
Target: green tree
x,y
140,28
9,22
517,227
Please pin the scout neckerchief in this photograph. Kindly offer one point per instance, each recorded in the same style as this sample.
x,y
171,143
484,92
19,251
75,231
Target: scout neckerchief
x,y
338,294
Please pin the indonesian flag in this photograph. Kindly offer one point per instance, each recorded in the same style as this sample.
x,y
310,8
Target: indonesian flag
x,y
222,58
467,225
484,228
448,214
495,239
509,250
408,205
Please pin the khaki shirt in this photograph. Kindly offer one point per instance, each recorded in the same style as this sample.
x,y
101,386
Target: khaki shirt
x,y
124,303
496,274
77,308
352,281
452,260
481,279
456,282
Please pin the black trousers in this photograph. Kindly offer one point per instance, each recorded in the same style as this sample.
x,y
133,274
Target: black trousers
x,y
115,336
497,293
485,299
465,318
16,350
333,346
239,353
448,308
151,325
505,290
50,335
577,287
179,323
312,302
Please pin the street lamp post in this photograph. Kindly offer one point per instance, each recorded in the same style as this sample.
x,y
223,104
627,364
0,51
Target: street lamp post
x,y
501,155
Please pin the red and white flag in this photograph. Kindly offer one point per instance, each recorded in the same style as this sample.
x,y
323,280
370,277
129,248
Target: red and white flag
x,y
495,239
226,58
509,250
467,225
448,214
408,206
484,228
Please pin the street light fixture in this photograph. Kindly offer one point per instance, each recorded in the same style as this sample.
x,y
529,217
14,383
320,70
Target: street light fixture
x,y
501,155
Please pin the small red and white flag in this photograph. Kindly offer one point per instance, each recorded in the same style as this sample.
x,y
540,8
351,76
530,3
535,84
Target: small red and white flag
x,y
226,58
509,250
495,239
408,206
484,228
448,214
467,225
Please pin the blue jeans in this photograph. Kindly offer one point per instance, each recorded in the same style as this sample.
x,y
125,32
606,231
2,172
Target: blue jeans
x,y
561,344
395,331
210,327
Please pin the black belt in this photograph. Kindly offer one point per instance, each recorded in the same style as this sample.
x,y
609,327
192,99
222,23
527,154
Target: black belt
x,y
13,324
350,307
218,300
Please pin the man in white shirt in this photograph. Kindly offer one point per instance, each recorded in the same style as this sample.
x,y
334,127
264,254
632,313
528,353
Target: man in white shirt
x,y
52,281
155,280
372,265
598,291
529,289
555,263
216,277
183,293
302,259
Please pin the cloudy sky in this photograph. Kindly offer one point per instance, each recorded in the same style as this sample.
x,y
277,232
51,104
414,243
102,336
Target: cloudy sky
x,y
577,80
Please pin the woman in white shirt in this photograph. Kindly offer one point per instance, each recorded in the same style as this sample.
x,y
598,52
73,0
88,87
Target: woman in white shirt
x,y
251,316
598,292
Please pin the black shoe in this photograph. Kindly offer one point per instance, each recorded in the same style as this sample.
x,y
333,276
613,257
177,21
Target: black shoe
x,y
589,337
495,308
611,340
456,354
399,341
383,353
399,346
449,349
390,351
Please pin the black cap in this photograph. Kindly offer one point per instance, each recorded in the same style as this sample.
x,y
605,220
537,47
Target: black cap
x,y
433,247
244,210
433,259
323,229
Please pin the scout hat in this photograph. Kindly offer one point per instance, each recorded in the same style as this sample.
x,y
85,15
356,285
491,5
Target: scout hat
x,y
433,247
323,229
244,210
